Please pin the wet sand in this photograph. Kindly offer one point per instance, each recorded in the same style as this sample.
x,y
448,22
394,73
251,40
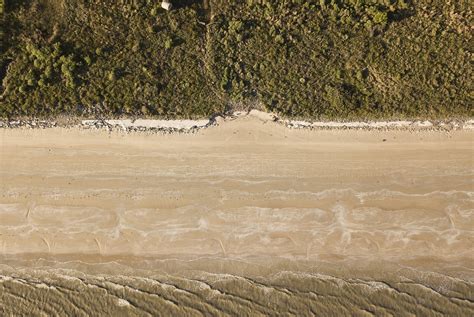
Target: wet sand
x,y
246,218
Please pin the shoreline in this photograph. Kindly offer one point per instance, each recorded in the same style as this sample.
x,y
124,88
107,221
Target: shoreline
x,y
255,265
192,126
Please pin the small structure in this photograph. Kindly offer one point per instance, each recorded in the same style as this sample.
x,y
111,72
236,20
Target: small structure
x,y
166,5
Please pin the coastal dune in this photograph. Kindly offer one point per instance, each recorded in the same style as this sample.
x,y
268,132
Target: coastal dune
x,y
249,198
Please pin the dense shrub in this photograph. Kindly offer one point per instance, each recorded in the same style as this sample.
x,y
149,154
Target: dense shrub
x,y
346,59
314,58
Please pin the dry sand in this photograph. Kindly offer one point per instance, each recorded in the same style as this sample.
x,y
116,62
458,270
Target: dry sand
x,y
246,198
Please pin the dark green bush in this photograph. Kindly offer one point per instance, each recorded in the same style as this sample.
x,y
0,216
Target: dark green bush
x,y
314,58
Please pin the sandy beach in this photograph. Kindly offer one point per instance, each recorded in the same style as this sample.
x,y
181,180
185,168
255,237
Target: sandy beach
x,y
248,197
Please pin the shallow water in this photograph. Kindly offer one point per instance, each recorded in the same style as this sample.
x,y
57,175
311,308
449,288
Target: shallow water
x,y
302,222
198,293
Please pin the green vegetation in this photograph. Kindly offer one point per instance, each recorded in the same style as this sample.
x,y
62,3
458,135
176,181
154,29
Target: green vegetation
x,y
315,58
2,7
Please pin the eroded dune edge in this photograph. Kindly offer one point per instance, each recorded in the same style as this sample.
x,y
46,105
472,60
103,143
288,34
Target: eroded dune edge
x,y
191,126
245,218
